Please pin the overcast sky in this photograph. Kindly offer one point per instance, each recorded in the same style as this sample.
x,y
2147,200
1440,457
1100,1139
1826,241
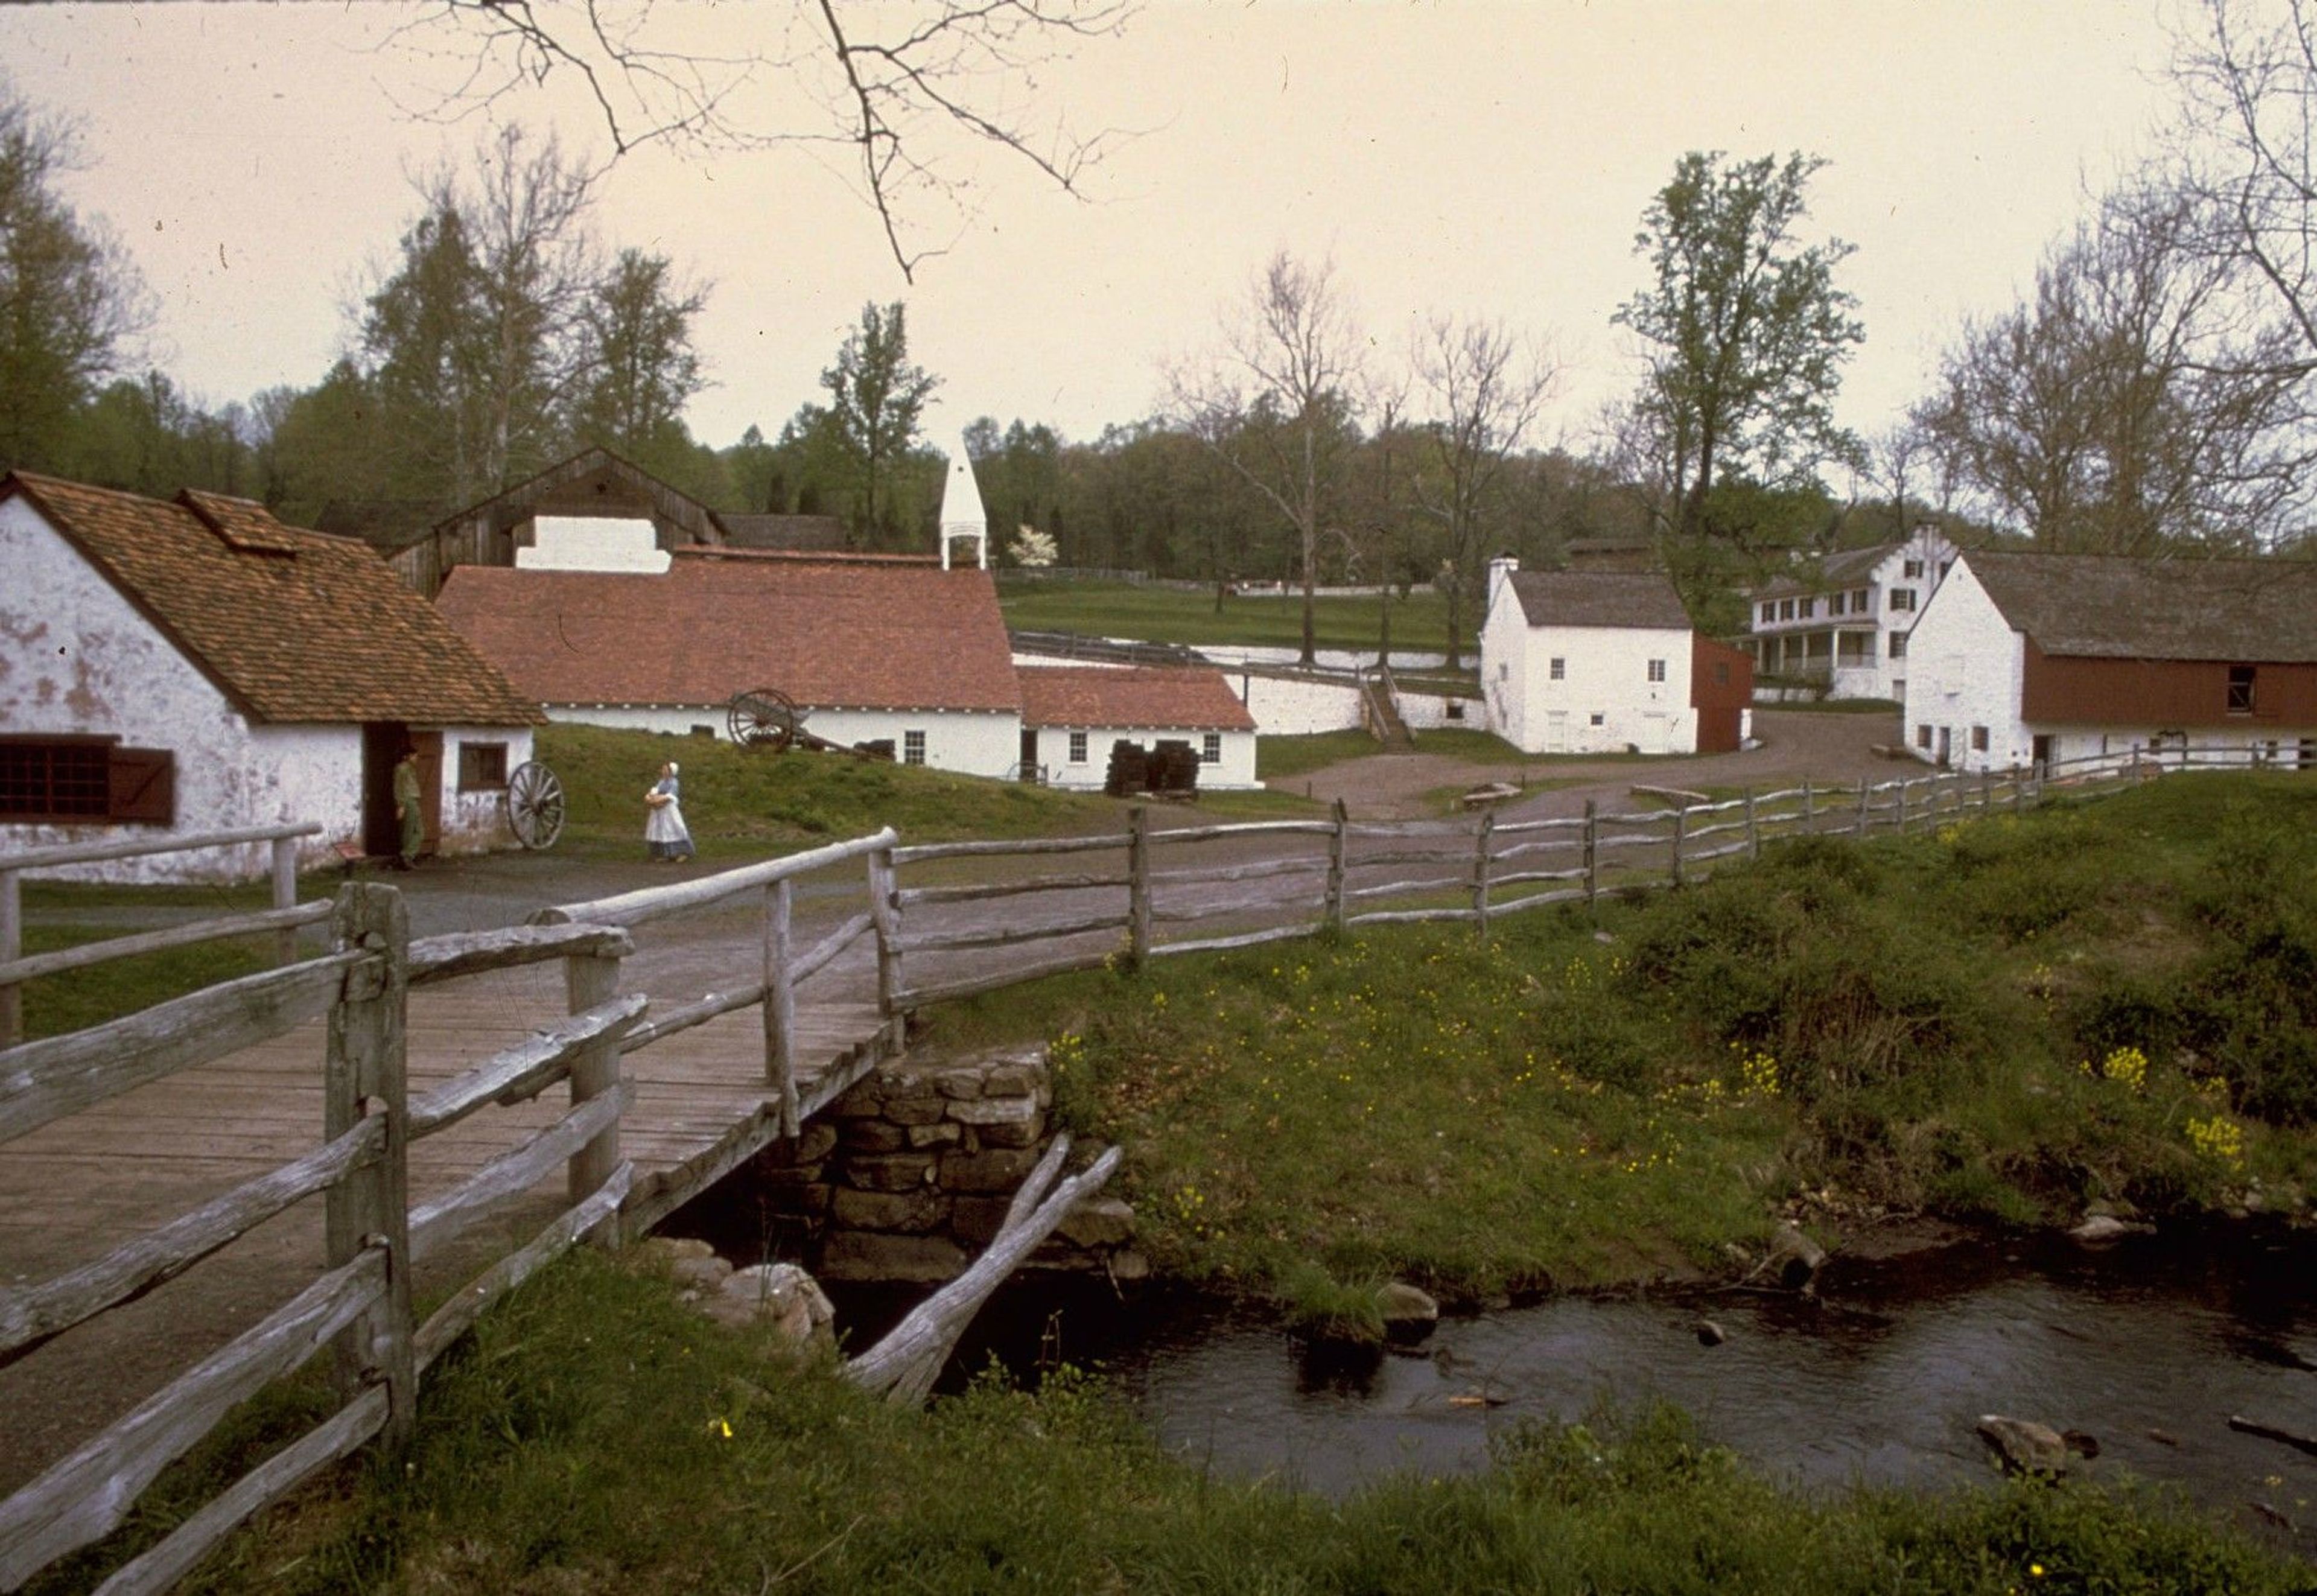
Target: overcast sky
x,y
1461,157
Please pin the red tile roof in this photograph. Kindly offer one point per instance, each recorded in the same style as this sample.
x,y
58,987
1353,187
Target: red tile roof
x,y
830,634
292,626
1156,698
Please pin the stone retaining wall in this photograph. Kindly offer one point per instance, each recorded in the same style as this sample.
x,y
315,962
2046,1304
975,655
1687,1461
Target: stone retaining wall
x,y
908,1176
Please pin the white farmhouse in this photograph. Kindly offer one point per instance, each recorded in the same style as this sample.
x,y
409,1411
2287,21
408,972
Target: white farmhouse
x,y
1605,661
1840,627
1072,714
2040,659
872,647
173,668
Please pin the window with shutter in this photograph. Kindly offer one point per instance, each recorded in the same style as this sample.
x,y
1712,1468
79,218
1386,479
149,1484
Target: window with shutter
x,y
85,778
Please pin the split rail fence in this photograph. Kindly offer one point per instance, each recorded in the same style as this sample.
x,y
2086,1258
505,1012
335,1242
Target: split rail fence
x,y
362,1308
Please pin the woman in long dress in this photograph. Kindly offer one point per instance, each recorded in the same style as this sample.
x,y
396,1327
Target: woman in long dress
x,y
665,830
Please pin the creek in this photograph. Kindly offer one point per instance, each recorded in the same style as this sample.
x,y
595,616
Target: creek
x,y
2149,1345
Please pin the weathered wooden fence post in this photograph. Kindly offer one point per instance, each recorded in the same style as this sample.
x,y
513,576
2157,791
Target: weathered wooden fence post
x,y
1680,832
1481,836
1865,813
1137,885
1753,835
285,896
1592,855
363,1075
12,947
1338,842
885,917
1903,786
779,1002
589,980
1810,808
1986,792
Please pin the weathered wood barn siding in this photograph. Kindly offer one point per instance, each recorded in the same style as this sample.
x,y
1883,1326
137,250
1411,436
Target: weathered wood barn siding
x,y
2175,692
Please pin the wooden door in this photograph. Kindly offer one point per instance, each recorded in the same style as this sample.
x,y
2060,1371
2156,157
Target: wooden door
x,y
429,745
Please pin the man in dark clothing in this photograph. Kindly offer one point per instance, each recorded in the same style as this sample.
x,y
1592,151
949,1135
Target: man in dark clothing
x,y
407,811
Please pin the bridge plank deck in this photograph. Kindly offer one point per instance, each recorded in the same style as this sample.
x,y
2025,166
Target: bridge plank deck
x,y
75,1189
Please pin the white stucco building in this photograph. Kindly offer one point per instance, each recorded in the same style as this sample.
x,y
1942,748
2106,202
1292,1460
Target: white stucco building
x,y
1600,661
1841,625
2024,659
195,666
1072,715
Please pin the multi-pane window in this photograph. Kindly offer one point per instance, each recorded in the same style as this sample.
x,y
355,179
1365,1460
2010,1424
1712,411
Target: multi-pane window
x,y
1210,751
482,766
1834,604
1077,748
85,778
1558,669
1656,670
1786,609
2241,685
55,780
1902,598
1898,645
1862,600
1914,570
1810,609
913,748
1769,610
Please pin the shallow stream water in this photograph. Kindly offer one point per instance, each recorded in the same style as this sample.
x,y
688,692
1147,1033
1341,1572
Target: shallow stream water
x,y
2149,1346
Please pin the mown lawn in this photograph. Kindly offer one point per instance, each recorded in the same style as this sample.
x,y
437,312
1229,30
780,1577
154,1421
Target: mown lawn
x,y
1176,615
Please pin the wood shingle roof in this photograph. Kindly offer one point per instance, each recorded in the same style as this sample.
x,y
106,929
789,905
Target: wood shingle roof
x,y
2118,607
293,627
1644,598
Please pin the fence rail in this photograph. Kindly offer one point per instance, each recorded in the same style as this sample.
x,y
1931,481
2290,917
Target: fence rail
x,y
283,920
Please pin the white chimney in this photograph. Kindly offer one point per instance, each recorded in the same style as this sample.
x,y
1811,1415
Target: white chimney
x,y
1499,569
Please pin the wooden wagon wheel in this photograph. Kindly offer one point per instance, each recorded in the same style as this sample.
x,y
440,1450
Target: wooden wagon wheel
x,y
533,801
763,717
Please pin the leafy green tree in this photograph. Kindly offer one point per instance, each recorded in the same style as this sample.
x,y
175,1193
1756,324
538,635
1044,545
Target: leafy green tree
x,y
637,366
876,395
71,304
1746,331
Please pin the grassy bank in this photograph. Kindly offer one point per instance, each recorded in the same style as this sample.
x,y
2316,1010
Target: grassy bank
x,y
1176,615
1280,757
595,1436
2010,1020
746,803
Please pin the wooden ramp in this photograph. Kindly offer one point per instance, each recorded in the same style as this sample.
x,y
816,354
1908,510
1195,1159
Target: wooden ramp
x,y
72,1191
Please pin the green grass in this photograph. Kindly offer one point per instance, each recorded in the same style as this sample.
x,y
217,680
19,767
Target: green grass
x,y
1839,706
594,1436
1175,615
1926,1023
744,803
1276,757
95,993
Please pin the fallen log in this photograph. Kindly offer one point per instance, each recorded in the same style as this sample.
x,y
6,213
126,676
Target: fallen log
x,y
904,1366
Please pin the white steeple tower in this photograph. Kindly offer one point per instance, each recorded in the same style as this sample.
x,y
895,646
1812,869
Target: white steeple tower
x,y
961,515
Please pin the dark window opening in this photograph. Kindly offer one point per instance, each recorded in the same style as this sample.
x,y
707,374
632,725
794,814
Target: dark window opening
x,y
482,766
2241,686
1210,751
85,778
1978,740
913,748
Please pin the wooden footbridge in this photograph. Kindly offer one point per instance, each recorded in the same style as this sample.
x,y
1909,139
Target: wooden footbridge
x,y
324,1146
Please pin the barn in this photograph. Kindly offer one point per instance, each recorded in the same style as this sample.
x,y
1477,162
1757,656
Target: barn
x,y
2024,658
192,666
